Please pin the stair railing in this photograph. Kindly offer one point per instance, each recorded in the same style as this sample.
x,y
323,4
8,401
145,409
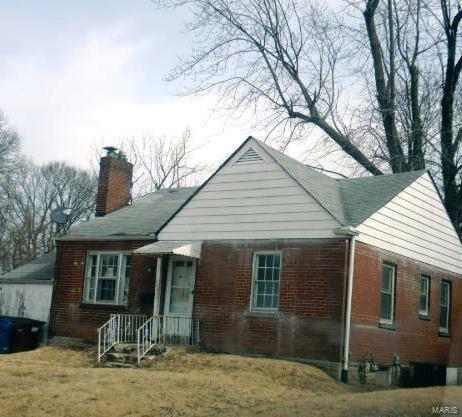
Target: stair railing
x,y
147,337
120,328
166,330
107,337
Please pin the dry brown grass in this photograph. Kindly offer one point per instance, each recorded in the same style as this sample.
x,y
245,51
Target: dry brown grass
x,y
59,382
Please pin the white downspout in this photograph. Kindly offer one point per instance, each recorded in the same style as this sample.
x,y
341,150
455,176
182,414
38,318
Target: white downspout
x,y
352,233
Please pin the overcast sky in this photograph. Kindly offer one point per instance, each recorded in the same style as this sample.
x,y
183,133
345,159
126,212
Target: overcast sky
x,y
73,73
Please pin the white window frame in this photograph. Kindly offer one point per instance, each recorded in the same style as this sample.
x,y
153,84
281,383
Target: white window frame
x,y
425,312
393,294
448,284
120,277
254,276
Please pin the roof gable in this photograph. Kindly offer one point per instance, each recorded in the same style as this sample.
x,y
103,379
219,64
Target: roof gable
x,y
323,188
250,196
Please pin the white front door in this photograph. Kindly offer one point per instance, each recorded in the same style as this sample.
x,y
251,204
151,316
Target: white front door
x,y
179,296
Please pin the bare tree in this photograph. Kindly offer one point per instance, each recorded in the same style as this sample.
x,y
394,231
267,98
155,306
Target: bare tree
x,y
285,56
451,137
369,86
30,195
160,161
9,146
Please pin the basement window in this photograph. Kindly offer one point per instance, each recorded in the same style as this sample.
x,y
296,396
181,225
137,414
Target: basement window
x,y
266,281
445,307
107,278
387,294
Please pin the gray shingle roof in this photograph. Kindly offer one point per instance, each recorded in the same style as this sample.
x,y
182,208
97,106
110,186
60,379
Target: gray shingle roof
x,y
362,197
42,269
142,218
350,201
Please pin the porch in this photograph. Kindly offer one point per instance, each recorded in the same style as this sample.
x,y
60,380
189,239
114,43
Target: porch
x,y
171,322
144,333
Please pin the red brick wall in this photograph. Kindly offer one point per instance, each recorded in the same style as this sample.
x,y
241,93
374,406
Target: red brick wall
x,y
414,340
114,185
69,316
308,323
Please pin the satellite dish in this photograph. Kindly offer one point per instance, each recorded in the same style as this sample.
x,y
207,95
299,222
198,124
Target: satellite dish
x,y
60,215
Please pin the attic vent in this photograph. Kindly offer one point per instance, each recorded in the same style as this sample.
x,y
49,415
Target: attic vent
x,y
249,156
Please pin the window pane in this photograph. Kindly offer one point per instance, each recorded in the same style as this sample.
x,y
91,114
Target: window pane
x,y
266,286
91,289
423,286
387,279
125,279
106,290
423,304
92,260
260,288
385,309
91,277
387,293
259,302
445,306
128,266
261,274
444,294
424,292
109,265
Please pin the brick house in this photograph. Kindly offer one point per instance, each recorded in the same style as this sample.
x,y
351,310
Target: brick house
x,y
271,257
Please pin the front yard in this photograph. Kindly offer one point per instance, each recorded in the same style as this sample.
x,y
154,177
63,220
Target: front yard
x,y
59,382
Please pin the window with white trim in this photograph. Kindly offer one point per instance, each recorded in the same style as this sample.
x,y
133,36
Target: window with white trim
x,y
107,278
266,281
424,305
445,307
387,294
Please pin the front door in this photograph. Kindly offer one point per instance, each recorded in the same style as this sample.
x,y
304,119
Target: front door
x,y
179,296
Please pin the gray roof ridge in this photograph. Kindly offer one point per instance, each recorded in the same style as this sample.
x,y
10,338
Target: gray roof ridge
x,y
379,177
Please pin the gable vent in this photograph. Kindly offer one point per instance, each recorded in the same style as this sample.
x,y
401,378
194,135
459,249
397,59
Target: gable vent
x,y
249,156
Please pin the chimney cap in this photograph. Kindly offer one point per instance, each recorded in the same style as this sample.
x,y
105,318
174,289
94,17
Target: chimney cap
x,y
110,149
115,152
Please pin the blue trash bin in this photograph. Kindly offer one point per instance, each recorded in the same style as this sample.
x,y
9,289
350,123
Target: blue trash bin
x,y
6,335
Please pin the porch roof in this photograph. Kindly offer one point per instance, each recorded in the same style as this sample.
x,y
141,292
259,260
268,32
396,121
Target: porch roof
x,y
189,248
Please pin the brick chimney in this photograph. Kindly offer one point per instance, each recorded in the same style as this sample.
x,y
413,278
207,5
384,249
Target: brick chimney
x,y
114,182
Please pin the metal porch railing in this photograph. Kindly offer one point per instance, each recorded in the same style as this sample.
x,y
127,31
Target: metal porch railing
x,y
120,328
167,330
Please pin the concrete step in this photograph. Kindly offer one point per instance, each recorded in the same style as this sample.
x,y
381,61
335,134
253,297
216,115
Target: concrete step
x,y
111,364
125,348
124,355
121,357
